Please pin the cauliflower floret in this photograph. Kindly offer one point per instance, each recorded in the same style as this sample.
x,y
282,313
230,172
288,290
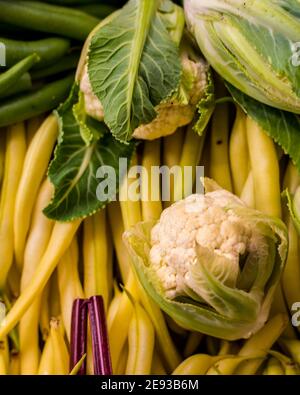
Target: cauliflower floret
x,y
199,220
170,116
178,111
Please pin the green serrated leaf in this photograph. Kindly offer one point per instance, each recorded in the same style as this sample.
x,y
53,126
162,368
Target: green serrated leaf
x,y
133,66
293,204
73,170
206,106
282,126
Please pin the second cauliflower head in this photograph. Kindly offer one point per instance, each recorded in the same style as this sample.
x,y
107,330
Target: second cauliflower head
x,y
177,111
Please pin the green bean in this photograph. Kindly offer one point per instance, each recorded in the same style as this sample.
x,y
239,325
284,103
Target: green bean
x,y
10,77
68,62
24,84
99,10
47,18
49,50
35,103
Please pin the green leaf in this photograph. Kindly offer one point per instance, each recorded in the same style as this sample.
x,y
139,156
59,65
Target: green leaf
x,y
73,170
226,300
293,203
133,66
252,45
206,106
282,126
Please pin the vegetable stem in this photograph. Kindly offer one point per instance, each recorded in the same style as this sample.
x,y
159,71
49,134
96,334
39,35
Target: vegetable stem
x,y
101,354
78,335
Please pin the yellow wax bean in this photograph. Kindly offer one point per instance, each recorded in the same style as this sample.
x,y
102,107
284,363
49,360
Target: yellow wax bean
x,y
219,151
238,152
140,342
196,364
265,169
14,158
34,169
60,240
69,284
150,190
117,229
96,256
259,344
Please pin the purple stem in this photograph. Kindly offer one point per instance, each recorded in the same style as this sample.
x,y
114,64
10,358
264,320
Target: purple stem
x,y
78,334
101,353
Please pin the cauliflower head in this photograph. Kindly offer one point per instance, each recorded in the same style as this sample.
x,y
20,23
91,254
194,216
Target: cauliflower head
x,y
177,111
211,262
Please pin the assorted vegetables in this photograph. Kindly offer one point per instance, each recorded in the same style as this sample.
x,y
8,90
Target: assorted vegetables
x,y
94,281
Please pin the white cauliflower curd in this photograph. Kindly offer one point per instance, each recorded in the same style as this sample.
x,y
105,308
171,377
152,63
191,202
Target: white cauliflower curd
x,y
204,221
211,263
